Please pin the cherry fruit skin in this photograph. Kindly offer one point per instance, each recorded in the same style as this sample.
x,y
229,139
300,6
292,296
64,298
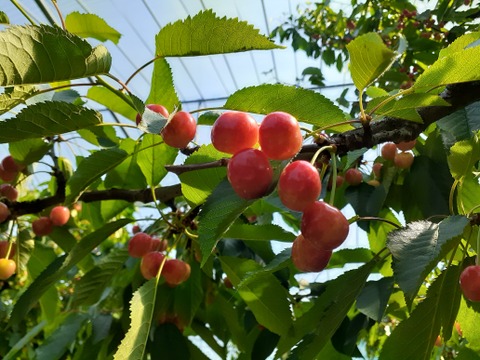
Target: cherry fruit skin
x,y
9,192
7,176
299,185
406,145
175,271
156,108
353,177
308,258
4,249
42,226
7,268
150,264
324,226
59,215
180,130
280,136
139,245
250,173
389,150
234,131
4,212
470,282
377,170
403,160
9,164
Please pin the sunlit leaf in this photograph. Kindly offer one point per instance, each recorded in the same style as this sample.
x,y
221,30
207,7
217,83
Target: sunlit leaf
x,y
265,232
91,26
111,101
463,156
162,89
15,95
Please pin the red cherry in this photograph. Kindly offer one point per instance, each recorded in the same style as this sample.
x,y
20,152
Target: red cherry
x,y
175,272
470,282
139,245
4,249
180,130
158,244
403,160
234,131
7,176
4,212
154,107
9,164
9,192
7,268
59,215
377,170
339,182
42,226
136,229
279,136
324,225
308,258
406,145
353,177
250,173
299,185
150,264
389,150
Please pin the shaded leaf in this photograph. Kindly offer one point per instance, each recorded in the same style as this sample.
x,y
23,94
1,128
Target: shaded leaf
x,y
47,119
29,151
462,124
169,343
91,26
206,34
305,105
111,101
208,118
15,95
373,299
265,232
39,54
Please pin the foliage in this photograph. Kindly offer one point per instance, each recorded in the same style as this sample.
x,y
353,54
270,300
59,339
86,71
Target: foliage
x,y
77,294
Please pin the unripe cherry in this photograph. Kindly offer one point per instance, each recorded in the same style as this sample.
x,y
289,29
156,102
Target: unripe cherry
x,y
403,160
406,145
234,131
7,268
299,185
389,150
377,170
308,258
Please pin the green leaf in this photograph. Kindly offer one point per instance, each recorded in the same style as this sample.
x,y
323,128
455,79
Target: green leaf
x,y
15,95
369,59
60,267
91,26
91,286
198,185
92,168
111,101
462,124
468,196
4,18
463,156
64,335
459,44
47,119
169,343
415,336
162,90
29,151
206,34
327,313
305,105
40,54
264,295
374,297
208,118
418,248
142,306
347,256
153,155
101,136
220,210
265,232
458,67
468,319
188,296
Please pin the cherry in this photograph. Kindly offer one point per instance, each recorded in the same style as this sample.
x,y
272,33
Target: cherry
x,y
279,136
4,249
150,264
175,271
250,173
406,145
470,282
42,226
403,160
234,131
389,150
377,170
8,191
7,268
136,229
180,130
9,164
353,177
4,212
139,245
158,244
324,225
339,182
154,107
59,215
7,176
299,185
308,258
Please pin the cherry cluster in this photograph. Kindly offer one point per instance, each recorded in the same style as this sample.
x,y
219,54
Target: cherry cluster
x,y
150,250
59,216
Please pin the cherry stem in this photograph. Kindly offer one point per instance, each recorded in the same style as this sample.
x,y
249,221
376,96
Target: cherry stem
x,y
334,179
207,109
374,218
22,10
141,68
59,14
347,122
450,197
10,243
390,98
319,151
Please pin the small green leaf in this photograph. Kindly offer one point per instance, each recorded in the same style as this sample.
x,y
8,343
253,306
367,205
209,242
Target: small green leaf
x,y
206,34
463,156
15,95
92,168
47,119
373,299
40,54
29,151
305,105
162,90
153,155
264,295
265,232
142,305
208,118
369,59
111,101
220,210
4,18
91,26
418,248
